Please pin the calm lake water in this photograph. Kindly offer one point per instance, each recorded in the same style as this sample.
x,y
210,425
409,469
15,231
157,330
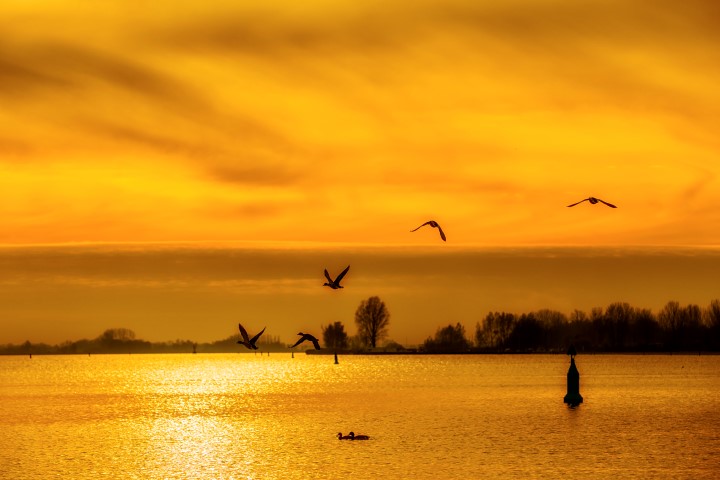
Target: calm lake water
x,y
241,416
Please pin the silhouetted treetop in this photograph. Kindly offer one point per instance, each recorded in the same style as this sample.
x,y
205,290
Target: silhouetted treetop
x,y
450,339
372,319
334,336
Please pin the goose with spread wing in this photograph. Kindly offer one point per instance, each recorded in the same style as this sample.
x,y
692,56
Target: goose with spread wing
x,y
433,224
246,340
593,201
308,337
335,284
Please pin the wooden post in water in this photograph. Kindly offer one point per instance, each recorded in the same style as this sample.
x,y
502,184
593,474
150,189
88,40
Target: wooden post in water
x,y
336,360
573,397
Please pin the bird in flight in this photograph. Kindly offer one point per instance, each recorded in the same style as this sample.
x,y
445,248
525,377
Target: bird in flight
x,y
335,284
433,224
247,341
308,337
593,201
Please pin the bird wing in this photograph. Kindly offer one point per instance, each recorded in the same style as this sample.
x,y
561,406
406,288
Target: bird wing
x,y
315,342
327,275
254,339
342,274
577,203
243,333
426,223
302,339
608,204
442,234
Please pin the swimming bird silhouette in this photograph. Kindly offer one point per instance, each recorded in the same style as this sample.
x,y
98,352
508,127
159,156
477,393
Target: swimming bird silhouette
x,y
247,341
343,437
308,337
433,224
335,284
357,437
593,201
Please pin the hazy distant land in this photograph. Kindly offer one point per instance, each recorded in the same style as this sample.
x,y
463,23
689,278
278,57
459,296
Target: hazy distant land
x,y
619,327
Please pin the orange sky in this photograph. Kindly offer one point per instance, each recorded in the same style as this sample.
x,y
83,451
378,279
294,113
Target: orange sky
x,y
353,121
325,124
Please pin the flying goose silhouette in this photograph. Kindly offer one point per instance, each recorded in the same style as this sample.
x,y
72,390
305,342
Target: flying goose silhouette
x,y
593,201
335,284
433,224
247,341
308,337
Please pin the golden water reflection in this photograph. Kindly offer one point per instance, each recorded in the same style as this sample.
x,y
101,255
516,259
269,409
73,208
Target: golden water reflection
x,y
243,416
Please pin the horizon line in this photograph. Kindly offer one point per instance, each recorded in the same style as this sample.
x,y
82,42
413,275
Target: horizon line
x,y
312,244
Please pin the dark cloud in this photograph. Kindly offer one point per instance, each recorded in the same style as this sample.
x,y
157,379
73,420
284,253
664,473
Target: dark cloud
x,y
16,78
387,26
629,20
262,174
254,164
56,65
264,34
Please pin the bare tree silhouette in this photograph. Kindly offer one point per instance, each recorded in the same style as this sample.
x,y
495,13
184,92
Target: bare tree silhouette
x,y
372,319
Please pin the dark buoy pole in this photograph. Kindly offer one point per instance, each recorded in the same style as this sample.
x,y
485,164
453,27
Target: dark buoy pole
x,y
336,361
573,397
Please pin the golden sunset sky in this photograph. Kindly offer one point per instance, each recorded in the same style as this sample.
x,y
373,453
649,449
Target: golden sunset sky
x,y
332,123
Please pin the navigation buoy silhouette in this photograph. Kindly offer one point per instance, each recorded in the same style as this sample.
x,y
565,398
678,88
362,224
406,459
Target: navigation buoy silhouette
x,y
573,397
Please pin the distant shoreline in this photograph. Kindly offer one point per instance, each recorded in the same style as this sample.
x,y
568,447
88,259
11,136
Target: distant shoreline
x,y
371,354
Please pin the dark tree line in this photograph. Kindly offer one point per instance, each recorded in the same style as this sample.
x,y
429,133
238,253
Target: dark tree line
x,y
618,328
450,339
